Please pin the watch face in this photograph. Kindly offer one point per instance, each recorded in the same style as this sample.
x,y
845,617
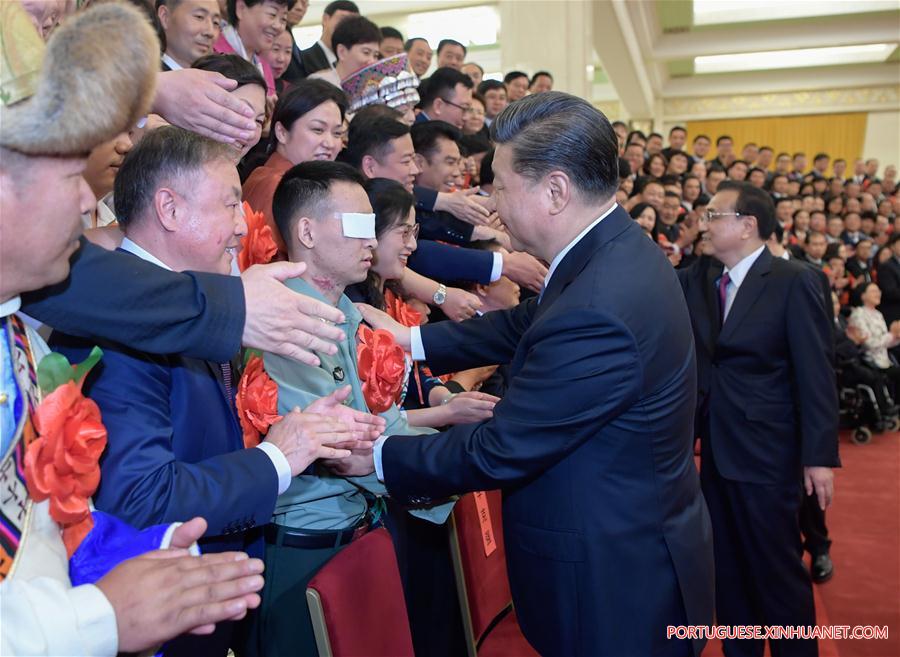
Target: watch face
x,y
439,297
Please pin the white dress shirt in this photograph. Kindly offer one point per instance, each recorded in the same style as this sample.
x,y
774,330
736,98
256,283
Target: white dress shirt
x,y
417,348
171,63
737,274
279,461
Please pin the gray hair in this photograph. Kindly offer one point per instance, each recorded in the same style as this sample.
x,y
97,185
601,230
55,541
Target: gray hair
x,y
164,155
557,131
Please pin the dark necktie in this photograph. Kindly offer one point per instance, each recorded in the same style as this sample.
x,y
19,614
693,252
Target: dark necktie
x,y
723,296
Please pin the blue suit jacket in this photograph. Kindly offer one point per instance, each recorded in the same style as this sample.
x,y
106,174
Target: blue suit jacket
x,y
114,296
607,535
767,403
446,263
174,447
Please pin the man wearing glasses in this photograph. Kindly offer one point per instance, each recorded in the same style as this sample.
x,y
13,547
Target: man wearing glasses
x,y
446,97
767,413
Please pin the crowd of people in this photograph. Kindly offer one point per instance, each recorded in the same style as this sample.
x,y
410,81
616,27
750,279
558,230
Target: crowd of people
x,y
255,251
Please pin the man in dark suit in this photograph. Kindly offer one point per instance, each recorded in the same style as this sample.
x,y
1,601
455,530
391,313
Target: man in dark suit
x,y
608,539
175,448
889,282
321,55
766,414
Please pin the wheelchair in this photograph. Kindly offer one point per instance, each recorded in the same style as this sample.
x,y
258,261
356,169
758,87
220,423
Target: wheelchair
x,y
860,413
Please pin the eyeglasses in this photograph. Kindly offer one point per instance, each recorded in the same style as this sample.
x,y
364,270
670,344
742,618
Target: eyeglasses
x,y
464,108
712,216
410,232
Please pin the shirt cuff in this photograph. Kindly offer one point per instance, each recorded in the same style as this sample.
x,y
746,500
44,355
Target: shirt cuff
x,y
96,619
282,467
376,453
416,348
497,270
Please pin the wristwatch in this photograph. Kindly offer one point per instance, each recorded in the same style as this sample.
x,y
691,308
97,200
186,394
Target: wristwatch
x,y
441,295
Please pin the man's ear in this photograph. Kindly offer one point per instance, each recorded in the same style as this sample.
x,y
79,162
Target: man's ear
x,y
559,191
750,227
481,290
305,232
368,166
166,207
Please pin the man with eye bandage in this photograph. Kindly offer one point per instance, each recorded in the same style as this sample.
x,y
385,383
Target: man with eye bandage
x,y
326,221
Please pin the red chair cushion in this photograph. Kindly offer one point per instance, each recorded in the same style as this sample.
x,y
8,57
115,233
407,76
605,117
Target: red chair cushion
x,y
362,599
506,640
487,583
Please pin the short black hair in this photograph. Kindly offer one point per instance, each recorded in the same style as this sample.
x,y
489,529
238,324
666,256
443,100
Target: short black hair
x,y
232,67
411,41
736,162
635,133
305,96
232,7
425,136
451,42
821,156
753,201
539,74
442,82
388,32
377,109
766,148
624,169
512,75
778,231
474,144
371,135
339,5
490,85
559,131
784,199
698,137
715,167
676,128
678,153
354,30
166,154
304,188
723,138
654,134
486,173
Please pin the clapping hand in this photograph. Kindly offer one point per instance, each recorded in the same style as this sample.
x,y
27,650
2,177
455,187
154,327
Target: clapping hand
x,y
895,328
365,427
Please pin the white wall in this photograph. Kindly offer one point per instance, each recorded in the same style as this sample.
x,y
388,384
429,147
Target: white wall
x,y
883,138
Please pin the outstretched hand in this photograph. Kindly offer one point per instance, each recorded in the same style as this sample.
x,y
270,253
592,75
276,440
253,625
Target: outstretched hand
x,y
365,427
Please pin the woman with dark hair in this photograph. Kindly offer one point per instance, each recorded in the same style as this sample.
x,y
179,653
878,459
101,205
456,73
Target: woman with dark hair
x,y
251,89
253,26
428,402
307,124
646,217
656,165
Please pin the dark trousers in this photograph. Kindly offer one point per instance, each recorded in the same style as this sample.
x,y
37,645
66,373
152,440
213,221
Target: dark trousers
x,y
760,575
812,524
429,585
281,626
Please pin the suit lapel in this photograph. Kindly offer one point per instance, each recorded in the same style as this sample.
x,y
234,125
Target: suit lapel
x,y
713,272
753,285
577,258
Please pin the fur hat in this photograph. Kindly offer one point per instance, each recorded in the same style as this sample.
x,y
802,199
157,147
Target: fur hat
x,y
98,78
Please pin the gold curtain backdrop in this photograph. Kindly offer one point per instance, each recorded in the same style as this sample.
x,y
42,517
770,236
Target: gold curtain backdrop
x,y
839,135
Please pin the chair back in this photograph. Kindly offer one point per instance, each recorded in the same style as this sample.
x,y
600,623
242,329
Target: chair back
x,y
356,602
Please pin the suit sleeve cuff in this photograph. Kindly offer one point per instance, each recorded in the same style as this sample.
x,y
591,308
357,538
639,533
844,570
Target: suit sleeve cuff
x,y
416,348
280,462
376,453
497,269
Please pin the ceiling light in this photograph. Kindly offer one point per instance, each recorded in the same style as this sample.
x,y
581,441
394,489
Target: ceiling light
x,y
713,12
773,59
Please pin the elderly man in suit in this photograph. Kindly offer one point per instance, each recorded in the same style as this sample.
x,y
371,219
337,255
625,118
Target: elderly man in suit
x,y
608,539
767,414
175,447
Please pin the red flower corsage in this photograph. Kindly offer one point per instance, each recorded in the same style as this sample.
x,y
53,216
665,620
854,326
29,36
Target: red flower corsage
x,y
401,311
63,463
257,401
257,246
382,368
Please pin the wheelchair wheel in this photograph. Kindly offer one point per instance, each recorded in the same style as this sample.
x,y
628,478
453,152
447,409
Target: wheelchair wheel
x,y
894,425
861,436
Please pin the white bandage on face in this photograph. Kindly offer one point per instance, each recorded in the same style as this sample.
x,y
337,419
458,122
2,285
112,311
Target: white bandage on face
x,y
357,224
